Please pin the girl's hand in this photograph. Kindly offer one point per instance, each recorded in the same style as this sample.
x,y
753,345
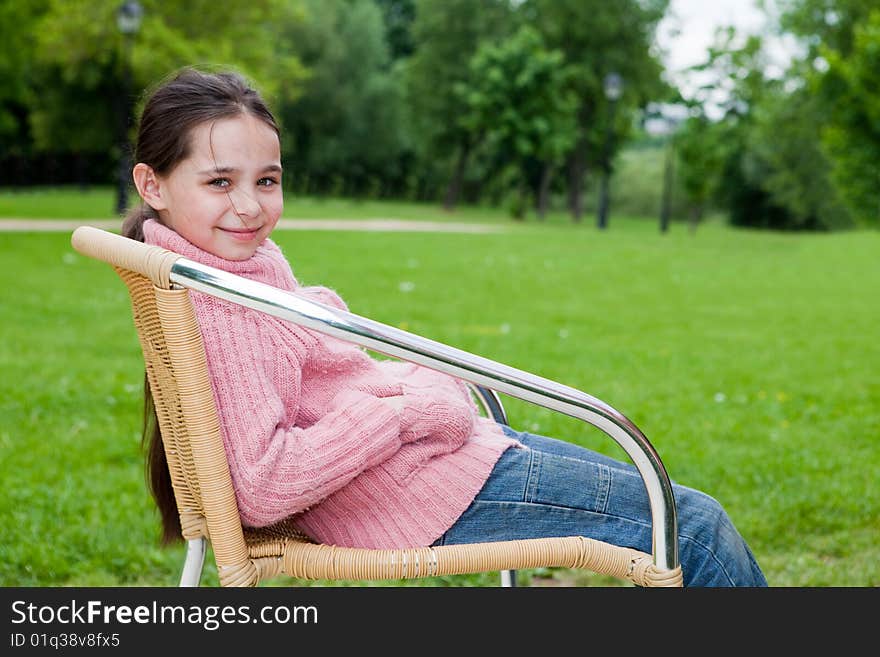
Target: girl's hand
x,y
443,421
397,402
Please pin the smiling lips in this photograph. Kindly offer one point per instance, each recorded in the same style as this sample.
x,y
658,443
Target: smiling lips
x,y
240,234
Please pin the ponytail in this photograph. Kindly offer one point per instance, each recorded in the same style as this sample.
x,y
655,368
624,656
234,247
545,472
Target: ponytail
x,y
157,475
133,224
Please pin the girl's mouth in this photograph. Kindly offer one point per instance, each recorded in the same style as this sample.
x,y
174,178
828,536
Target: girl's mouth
x,y
242,235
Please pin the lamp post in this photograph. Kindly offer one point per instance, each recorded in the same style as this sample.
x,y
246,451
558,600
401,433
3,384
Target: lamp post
x,y
613,87
128,20
666,201
664,122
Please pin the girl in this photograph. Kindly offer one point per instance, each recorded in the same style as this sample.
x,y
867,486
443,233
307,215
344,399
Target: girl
x,y
361,452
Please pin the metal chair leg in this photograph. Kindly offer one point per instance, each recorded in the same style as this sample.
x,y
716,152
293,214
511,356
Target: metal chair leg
x,y
493,407
195,560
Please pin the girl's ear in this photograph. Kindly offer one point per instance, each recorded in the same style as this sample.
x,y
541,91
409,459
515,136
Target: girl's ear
x,y
148,185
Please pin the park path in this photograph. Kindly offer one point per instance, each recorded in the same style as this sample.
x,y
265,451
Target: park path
x,y
375,225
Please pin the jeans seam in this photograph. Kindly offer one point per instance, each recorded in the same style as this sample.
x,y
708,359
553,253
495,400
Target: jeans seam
x,y
579,509
529,494
603,490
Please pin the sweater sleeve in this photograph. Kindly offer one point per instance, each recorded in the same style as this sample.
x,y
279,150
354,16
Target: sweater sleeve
x,y
298,467
278,468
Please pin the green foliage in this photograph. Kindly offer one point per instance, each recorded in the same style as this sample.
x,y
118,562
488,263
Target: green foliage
x,y
519,102
713,158
348,125
447,33
637,185
80,60
852,136
17,21
398,17
390,99
519,97
763,160
597,38
824,23
700,152
788,161
839,71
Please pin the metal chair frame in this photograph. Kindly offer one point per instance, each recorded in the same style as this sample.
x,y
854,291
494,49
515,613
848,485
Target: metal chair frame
x,y
486,377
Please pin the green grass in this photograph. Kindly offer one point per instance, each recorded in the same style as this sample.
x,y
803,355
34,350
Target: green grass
x,y
749,360
57,203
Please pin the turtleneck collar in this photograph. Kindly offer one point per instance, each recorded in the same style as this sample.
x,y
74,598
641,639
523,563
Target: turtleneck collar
x,y
267,265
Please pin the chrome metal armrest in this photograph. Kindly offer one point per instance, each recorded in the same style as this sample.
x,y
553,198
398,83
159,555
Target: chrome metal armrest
x,y
491,403
469,367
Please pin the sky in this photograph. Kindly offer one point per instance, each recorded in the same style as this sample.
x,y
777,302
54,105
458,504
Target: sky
x,y
696,21
689,27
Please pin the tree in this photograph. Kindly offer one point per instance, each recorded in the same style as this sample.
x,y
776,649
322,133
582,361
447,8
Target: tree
x,y
597,38
841,63
824,24
16,62
16,54
398,16
700,152
348,131
788,161
748,155
852,136
76,71
447,33
518,100
789,140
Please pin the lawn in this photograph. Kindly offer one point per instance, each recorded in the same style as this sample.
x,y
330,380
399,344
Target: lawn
x,y
749,360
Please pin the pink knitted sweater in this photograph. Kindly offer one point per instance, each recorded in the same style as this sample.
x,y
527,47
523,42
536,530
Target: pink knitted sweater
x,y
310,430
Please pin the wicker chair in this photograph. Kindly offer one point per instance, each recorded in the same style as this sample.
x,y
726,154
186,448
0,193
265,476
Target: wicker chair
x,y
159,281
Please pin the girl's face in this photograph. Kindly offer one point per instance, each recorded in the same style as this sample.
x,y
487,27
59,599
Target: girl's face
x,y
226,196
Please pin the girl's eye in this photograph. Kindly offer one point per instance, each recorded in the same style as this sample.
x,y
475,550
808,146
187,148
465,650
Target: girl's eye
x,y
219,182
267,182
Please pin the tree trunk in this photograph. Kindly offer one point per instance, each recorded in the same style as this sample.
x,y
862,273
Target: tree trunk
x,y
544,190
666,202
522,202
79,163
453,190
577,162
576,171
696,215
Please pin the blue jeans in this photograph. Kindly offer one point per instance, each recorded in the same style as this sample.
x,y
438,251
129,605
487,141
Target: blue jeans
x,y
555,488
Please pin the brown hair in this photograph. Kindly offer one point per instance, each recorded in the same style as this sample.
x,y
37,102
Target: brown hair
x,y
184,101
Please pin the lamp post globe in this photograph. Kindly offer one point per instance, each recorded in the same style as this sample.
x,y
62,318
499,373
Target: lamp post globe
x,y
128,20
128,17
613,86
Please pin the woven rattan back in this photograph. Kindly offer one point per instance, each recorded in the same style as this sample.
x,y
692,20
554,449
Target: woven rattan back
x,y
174,358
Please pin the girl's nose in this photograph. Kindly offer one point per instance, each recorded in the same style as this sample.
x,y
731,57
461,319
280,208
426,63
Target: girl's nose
x,y
244,204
